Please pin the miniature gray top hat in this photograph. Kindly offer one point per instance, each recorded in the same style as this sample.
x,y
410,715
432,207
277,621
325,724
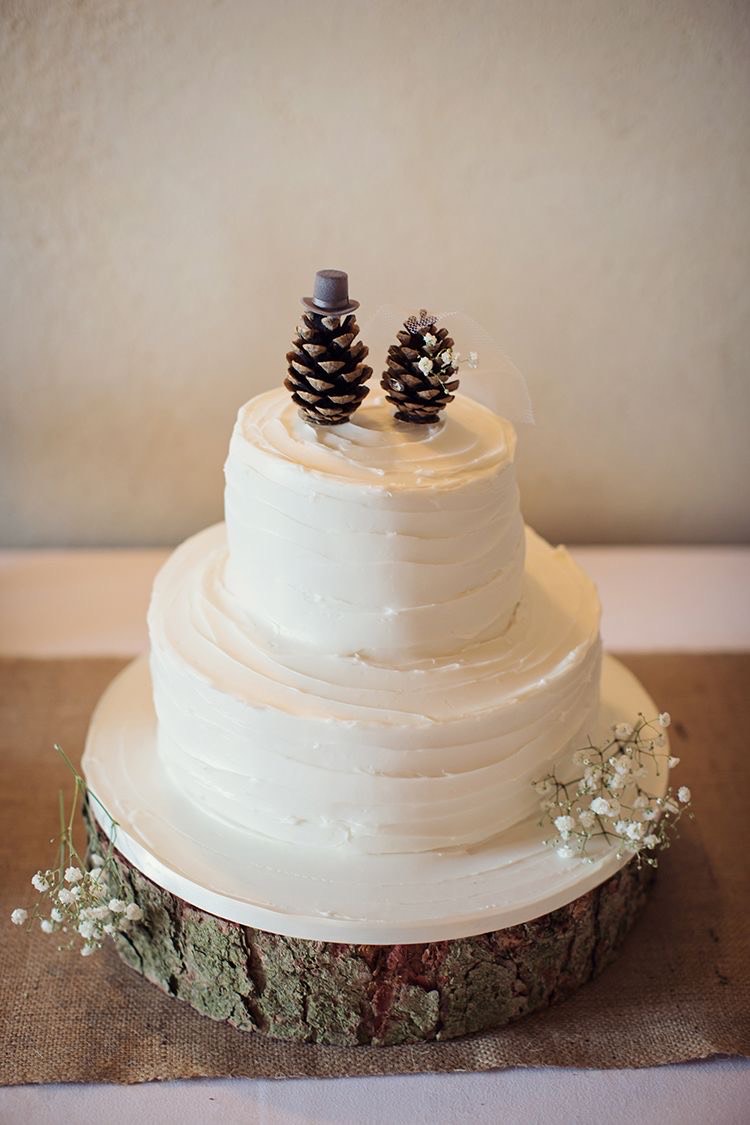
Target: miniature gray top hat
x,y
330,294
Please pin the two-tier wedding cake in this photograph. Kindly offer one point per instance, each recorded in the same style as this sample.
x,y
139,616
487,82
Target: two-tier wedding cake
x,y
321,784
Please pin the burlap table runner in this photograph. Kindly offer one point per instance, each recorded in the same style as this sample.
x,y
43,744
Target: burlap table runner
x,y
679,991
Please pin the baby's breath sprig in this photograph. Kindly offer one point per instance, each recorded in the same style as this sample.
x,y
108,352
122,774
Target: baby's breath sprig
x,y
442,363
79,900
608,801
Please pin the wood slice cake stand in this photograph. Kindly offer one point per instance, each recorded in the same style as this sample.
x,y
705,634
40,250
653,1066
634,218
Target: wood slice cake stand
x,y
350,949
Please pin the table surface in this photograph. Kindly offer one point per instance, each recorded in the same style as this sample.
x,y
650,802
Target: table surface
x,y
74,603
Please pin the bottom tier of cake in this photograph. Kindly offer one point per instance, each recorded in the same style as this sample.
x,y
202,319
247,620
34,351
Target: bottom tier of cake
x,y
348,994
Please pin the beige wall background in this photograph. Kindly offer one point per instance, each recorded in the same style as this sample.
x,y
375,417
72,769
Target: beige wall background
x,y
575,175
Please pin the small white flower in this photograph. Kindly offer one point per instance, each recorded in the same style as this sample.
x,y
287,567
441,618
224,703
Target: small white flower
x,y
73,875
39,883
87,950
86,928
566,851
97,861
617,781
621,827
665,719
650,841
108,928
586,818
600,806
75,892
116,905
683,794
564,825
97,875
473,359
447,357
46,926
641,801
635,830
56,915
65,896
19,916
673,762
671,807
133,912
429,339
623,731
649,814
425,365
99,912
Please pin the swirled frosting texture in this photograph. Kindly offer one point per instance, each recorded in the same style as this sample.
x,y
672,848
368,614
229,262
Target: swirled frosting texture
x,y
328,749
375,538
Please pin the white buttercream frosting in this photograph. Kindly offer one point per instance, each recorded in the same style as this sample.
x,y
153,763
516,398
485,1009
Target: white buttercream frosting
x,y
381,538
323,749
372,653
331,894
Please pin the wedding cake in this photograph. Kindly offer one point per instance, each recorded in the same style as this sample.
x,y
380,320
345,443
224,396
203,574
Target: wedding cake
x,y
321,784
372,654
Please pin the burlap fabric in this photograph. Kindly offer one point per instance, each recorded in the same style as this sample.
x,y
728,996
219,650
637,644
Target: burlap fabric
x,y
680,990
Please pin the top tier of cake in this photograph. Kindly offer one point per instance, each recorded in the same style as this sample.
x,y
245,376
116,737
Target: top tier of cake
x,y
392,541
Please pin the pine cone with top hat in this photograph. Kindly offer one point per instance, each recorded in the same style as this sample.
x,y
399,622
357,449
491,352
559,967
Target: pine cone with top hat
x,y
326,374
422,370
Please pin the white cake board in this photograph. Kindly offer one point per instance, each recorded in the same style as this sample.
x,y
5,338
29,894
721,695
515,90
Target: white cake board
x,y
327,895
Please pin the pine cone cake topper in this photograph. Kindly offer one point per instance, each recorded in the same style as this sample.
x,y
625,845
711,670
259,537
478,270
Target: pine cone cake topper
x,y
422,370
326,373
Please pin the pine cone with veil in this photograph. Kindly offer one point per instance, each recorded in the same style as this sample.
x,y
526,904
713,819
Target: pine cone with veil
x,y
422,371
